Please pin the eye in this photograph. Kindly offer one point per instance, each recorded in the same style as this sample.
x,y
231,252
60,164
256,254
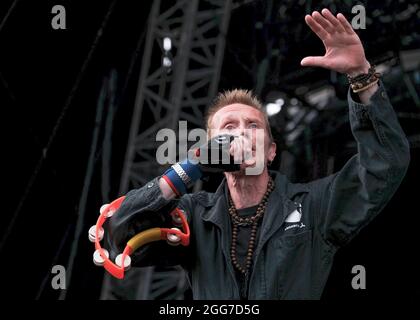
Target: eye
x,y
229,126
253,125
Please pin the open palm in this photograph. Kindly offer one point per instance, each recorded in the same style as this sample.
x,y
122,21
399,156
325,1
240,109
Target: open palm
x,y
344,52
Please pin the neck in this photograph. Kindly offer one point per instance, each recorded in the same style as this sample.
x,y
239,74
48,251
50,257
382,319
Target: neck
x,y
247,191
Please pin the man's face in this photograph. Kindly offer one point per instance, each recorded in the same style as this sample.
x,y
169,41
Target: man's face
x,y
249,125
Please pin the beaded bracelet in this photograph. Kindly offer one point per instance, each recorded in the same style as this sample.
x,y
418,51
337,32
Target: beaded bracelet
x,y
364,81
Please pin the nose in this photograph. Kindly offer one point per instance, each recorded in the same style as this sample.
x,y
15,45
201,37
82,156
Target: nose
x,y
241,129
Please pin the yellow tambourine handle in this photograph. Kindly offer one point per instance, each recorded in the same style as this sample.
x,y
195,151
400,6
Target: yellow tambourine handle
x,y
144,237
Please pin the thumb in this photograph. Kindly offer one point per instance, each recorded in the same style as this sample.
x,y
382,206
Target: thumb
x,y
314,62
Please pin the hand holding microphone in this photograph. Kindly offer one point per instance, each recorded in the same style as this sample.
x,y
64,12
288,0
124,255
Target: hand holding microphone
x,y
213,157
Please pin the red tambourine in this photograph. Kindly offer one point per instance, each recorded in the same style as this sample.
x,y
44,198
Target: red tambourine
x,y
174,236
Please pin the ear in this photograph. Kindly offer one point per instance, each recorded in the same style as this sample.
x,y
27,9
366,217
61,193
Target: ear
x,y
271,151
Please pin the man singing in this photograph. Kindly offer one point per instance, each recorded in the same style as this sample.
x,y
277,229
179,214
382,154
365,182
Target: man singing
x,y
260,236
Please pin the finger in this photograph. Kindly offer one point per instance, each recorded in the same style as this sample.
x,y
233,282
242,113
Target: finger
x,y
232,148
250,162
237,156
247,150
316,27
323,22
314,62
346,25
333,20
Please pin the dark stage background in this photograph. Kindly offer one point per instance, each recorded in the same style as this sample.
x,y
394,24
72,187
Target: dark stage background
x,y
50,86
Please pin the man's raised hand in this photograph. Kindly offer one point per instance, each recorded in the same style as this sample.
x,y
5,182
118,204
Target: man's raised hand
x,y
344,52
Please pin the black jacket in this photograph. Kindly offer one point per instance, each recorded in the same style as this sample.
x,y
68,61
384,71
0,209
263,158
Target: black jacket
x,y
292,259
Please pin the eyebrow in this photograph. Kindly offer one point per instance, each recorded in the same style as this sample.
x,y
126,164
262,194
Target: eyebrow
x,y
254,120
231,119
227,119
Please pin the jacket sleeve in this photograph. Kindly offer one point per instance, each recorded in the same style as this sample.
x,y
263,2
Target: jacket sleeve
x,y
142,209
352,197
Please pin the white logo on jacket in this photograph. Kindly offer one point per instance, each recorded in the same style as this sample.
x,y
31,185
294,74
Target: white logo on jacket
x,y
295,218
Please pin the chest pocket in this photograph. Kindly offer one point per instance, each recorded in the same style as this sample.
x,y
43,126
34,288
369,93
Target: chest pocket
x,y
293,240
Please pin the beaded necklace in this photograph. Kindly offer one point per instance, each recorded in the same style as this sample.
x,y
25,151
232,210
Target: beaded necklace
x,y
241,221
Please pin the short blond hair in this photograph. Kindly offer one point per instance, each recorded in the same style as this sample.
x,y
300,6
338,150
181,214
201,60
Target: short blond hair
x,y
228,97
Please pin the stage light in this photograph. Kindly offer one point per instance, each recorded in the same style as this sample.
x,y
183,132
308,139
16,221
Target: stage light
x,y
166,62
167,56
273,108
275,102
167,44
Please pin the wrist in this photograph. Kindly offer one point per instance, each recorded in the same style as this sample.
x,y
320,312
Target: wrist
x,y
364,80
182,175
